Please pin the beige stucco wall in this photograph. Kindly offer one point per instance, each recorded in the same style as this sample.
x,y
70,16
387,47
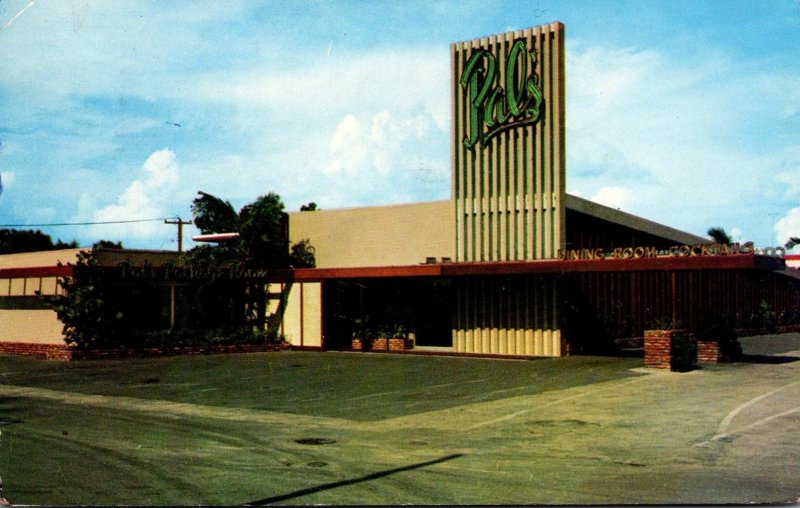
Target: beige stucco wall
x,y
37,259
29,286
377,235
302,322
31,326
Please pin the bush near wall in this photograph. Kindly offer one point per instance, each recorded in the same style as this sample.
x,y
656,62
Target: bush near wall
x,y
104,309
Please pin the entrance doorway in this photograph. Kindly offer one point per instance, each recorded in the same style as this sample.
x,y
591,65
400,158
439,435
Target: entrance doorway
x,y
358,308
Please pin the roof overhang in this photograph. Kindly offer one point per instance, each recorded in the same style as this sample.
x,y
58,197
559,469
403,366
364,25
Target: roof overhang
x,y
215,237
662,263
629,220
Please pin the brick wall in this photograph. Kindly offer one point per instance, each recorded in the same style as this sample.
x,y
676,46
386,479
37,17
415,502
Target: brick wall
x,y
62,352
669,349
49,351
708,351
658,349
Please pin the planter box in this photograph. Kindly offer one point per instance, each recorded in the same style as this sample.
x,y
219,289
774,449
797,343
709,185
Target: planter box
x,y
670,349
719,351
383,344
708,351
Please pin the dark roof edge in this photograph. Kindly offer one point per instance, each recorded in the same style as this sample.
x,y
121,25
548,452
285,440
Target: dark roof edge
x,y
609,214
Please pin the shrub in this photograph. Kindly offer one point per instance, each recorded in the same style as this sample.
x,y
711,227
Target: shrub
x,y
89,321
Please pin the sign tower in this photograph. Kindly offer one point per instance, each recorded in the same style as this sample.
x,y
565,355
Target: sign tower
x,y
508,150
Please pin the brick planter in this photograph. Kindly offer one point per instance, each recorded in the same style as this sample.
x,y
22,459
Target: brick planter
x,y
49,351
383,344
100,354
60,352
708,351
669,349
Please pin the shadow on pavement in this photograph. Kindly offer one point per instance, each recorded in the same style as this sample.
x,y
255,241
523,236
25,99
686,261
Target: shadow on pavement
x,y
768,359
333,485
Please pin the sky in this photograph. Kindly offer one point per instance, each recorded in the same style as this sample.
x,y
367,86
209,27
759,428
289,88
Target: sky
x,y
685,113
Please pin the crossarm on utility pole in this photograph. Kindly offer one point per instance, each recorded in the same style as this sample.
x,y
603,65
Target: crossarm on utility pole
x,y
180,223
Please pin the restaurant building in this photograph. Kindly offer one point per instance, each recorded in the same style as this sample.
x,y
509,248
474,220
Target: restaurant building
x,y
511,264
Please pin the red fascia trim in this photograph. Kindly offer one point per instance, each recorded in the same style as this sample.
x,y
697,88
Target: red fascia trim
x,y
36,271
318,274
615,265
732,262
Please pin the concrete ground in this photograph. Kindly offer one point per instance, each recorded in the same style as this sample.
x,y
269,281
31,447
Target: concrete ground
x,y
623,434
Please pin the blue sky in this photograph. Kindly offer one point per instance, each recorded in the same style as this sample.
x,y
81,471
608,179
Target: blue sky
x,y
686,113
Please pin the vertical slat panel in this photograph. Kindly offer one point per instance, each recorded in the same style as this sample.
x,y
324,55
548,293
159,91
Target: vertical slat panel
x,y
457,133
542,156
512,199
547,174
558,102
509,199
472,178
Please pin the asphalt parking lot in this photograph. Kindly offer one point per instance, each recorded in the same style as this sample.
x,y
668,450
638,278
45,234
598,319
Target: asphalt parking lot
x,y
349,428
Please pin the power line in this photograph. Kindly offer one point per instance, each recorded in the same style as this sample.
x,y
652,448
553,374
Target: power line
x,y
77,223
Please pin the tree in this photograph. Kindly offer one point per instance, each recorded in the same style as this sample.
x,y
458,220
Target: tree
x,y
13,241
106,244
263,234
792,242
302,255
89,321
213,215
263,242
311,207
719,235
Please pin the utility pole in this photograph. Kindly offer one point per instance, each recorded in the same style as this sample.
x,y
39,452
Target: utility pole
x,y
180,223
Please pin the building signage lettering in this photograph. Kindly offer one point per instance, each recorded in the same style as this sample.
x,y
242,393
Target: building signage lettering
x,y
702,249
170,272
496,107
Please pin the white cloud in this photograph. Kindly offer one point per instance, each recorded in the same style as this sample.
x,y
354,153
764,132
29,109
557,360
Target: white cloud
x,y
736,235
8,178
788,226
369,81
387,157
144,198
348,146
677,133
615,197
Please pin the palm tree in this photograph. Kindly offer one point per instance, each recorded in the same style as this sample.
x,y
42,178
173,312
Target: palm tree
x,y
213,215
719,235
262,241
792,242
